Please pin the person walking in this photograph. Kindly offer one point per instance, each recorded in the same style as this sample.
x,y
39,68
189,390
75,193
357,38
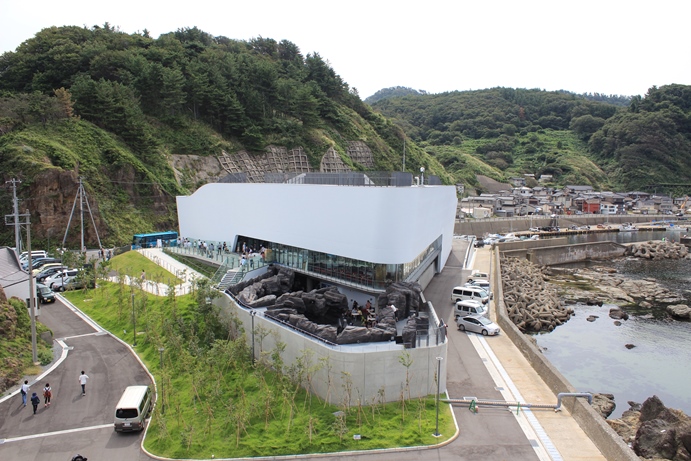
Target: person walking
x,y
47,394
82,380
25,391
35,400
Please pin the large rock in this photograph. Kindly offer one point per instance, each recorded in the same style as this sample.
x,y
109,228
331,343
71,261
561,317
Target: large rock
x,y
681,311
604,404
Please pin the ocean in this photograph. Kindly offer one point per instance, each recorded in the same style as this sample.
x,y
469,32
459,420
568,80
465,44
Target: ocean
x,y
593,356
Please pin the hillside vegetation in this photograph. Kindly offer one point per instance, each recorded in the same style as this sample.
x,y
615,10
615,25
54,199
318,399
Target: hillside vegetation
x,y
579,139
113,107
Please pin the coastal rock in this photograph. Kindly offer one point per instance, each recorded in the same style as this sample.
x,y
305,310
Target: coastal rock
x,y
657,250
663,432
629,346
592,318
604,404
681,311
617,313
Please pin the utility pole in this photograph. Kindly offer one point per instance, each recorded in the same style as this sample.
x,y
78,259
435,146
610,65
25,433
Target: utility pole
x,y
14,220
81,197
15,204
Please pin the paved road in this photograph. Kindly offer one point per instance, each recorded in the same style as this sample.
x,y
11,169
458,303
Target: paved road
x,y
110,367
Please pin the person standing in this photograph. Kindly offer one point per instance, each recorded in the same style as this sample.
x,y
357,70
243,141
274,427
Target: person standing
x,y
82,380
47,394
35,400
143,276
25,391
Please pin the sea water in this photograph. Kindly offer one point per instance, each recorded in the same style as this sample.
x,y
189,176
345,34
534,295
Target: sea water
x,y
593,355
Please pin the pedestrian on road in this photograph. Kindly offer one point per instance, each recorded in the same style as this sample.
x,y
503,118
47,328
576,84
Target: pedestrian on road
x,y
35,400
82,380
25,391
47,394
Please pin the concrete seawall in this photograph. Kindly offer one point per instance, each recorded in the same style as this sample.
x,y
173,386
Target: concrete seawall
x,y
605,438
563,254
481,227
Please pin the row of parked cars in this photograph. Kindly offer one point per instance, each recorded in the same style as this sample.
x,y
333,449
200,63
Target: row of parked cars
x,y
471,305
51,275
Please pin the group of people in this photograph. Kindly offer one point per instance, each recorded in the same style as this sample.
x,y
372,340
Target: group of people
x,y
105,254
364,315
47,392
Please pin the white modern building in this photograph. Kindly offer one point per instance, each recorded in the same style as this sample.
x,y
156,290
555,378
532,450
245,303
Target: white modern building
x,y
359,237
363,235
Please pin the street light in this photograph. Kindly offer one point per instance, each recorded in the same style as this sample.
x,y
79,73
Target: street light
x,y
422,175
163,407
439,359
134,324
253,313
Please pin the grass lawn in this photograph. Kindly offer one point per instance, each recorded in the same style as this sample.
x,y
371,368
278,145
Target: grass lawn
x,y
132,263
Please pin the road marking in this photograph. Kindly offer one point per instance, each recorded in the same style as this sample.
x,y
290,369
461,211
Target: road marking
x,y
96,333
542,444
50,434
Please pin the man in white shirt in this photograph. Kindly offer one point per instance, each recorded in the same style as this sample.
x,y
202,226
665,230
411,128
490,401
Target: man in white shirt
x,y
82,380
24,391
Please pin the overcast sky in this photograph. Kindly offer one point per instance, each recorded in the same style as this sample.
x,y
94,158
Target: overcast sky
x,y
605,46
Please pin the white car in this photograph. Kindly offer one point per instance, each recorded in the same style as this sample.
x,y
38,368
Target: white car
x,y
477,275
59,276
477,324
484,284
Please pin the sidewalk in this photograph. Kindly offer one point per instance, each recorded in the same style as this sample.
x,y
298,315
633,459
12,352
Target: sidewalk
x,y
565,433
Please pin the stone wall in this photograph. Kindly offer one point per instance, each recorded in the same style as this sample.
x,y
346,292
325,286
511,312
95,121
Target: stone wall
x,y
596,428
562,254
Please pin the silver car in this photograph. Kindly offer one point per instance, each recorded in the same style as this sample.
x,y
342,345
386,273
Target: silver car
x,y
477,324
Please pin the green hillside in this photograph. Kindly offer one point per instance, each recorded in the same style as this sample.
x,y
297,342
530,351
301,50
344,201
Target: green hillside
x,y
608,142
114,107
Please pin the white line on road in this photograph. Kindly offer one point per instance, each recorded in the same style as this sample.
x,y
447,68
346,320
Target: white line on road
x,y
49,434
545,449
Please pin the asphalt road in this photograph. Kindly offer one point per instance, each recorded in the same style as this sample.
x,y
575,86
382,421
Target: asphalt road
x,y
82,424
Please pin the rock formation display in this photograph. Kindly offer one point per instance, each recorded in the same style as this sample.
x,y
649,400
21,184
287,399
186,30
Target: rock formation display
x,y
318,311
531,304
655,431
658,249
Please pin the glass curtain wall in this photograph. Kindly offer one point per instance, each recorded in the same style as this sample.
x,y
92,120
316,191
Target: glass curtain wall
x,y
350,270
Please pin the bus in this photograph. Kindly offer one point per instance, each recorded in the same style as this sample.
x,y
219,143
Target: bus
x,y
168,238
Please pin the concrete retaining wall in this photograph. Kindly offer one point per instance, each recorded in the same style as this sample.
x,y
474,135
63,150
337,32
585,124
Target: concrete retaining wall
x,y
481,227
369,367
596,428
547,256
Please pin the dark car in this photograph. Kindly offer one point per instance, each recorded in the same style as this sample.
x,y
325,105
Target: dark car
x,y
45,273
44,294
38,263
479,243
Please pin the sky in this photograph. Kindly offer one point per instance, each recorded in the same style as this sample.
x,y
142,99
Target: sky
x,y
606,46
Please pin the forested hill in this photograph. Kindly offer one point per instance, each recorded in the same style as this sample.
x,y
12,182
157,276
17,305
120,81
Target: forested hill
x,y
588,139
113,107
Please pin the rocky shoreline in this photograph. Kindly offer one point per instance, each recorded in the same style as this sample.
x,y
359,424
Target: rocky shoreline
x,y
652,430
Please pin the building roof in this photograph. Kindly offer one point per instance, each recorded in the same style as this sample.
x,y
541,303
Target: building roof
x,y
11,272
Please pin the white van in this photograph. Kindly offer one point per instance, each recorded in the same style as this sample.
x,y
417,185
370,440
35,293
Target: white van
x,y
464,308
132,409
24,257
469,294
484,284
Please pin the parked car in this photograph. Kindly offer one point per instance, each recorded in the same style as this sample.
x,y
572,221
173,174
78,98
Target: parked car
x,y
71,283
464,308
477,275
44,267
48,272
40,262
469,294
44,294
477,324
58,276
479,243
484,284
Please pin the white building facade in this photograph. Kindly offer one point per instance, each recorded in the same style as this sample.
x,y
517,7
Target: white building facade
x,y
364,235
